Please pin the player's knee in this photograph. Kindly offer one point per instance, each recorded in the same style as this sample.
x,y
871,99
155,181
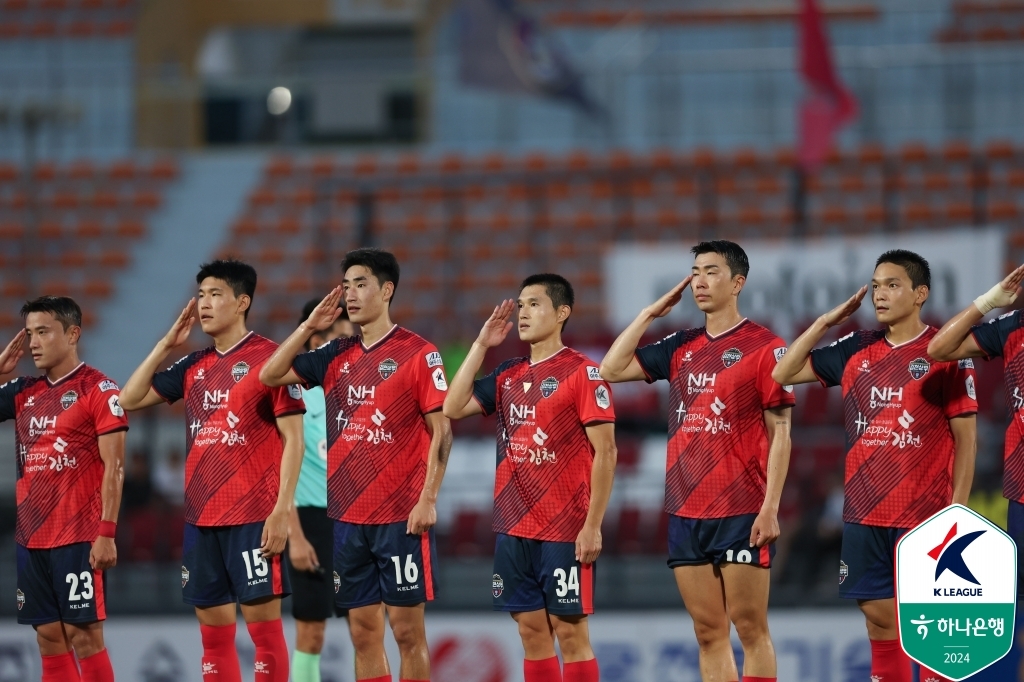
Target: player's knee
x,y
86,641
572,638
751,626
408,635
534,632
309,636
366,632
50,637
710,631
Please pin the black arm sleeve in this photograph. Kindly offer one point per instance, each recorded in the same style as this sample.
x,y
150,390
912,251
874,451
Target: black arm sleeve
x,y
656,358
991,336
829,362
312,366
7,393
170,383
485,391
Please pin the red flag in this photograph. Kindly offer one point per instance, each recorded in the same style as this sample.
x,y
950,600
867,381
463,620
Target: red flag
x,y
828,105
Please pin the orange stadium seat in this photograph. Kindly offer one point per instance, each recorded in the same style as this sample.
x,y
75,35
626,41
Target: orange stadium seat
x,y
114,258
129,228
280,167
124,169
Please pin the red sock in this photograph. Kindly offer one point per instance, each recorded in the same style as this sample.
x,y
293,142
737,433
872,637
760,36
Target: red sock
x,y
382,678
888,662
542,671
97,668
60,668
271,651
927,675
748,678
220,659
581,671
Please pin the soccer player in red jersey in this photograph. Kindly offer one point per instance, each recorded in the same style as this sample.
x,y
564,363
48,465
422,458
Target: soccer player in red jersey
x,y
387,449
244,452
556,463
728,455
69,433
910,433
964,337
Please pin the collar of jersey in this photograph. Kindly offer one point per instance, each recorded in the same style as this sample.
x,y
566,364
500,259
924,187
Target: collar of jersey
x,y
728,331
534,364
235,347
66,376
379,341
900,345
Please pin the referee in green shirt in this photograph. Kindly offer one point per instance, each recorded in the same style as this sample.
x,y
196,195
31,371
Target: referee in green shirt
x,y
311,541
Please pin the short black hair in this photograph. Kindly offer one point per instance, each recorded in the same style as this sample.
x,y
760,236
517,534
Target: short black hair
x,y
311,305
734,255
382,264
63,308
917,267
557,288
241,277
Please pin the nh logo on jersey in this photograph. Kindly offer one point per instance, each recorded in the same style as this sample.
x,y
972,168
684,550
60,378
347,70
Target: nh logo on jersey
x,y
521,413
387,368
918,368
214,399
68,399
700,383
956,588
548,386
239,371
731,357
361,395
886,397
38,426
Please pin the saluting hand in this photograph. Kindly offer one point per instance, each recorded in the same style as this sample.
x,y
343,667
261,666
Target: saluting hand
x,y
326,312
498,325
12,353
842,312
182,326
666,303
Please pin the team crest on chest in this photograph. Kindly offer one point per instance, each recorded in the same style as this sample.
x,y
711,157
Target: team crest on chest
x,y
387,368
548,386
918,368
239,371
731,357
68,399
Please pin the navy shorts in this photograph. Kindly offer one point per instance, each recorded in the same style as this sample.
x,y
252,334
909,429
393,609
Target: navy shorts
x,y
1015,529
867,561
530,575
223,565
695,542
59,585
383,563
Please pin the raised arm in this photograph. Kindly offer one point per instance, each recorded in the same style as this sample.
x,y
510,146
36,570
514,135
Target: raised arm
x,y
602,475
424,514
795,366
12,353
104,552
277,371
955,341
765,529
275,529
138,392
965,431
620,363
459,402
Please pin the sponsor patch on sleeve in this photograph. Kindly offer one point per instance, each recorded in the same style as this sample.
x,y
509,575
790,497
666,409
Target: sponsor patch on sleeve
x,y
594,374
439,381
966,363
602,398
971,393
434,359
107,385
294,392
779,352
115,406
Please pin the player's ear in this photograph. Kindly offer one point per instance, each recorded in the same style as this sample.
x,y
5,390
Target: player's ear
x,y
563,313
73,333
387,291
737,283
244,301
921,294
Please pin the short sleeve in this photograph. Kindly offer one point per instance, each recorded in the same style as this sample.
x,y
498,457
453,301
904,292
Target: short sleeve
x,y
772,393
287,400
431,383
170,383
655,359
593,396
107,414
829,362
991,336
8,409
485,392
960,396
312,366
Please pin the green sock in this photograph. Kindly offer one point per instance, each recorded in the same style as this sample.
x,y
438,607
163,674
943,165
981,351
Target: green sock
x,y
305,667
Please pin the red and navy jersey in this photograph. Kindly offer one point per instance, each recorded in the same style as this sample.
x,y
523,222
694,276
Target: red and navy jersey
x,y
719,388
57,425
897,403
233,465
542,484
377,437
1004,336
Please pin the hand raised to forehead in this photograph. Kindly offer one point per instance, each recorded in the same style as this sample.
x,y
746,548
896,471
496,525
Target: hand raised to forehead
x,y
498,325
